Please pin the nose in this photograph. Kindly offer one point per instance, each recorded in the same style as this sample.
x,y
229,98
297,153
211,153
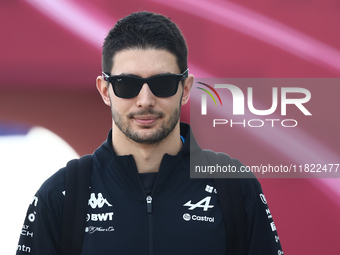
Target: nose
x,y
145,98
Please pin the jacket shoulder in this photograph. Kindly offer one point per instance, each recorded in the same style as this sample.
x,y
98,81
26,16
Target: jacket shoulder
x,y
55,183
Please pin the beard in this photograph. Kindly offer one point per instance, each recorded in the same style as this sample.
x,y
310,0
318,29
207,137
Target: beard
x,y
157,136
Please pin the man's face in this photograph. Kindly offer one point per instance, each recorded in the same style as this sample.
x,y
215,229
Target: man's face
x,y
146,118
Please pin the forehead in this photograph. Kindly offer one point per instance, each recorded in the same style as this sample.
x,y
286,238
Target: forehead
x,y
144,63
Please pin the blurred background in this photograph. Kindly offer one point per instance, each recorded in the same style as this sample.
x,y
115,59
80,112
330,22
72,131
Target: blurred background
x,y
51,112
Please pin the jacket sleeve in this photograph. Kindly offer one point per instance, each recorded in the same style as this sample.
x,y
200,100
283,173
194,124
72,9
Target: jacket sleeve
x,y
262,236
40,233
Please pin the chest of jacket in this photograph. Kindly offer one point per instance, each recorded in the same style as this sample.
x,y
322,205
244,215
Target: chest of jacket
x,y
180,213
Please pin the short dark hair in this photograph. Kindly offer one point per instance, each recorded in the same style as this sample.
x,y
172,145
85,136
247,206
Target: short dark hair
x,y
145,30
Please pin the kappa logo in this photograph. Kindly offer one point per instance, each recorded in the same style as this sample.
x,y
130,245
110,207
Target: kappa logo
x,y
204,203
99,201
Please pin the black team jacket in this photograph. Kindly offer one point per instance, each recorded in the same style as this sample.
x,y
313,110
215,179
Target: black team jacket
x,y
162,213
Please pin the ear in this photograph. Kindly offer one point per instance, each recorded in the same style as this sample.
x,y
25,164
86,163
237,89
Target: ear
x,y
188,82
103,89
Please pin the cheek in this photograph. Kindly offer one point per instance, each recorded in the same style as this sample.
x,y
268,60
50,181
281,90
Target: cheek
x,y
118,104
172,105
120,108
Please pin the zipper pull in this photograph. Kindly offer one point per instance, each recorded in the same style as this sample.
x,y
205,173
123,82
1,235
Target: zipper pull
x,y
149,204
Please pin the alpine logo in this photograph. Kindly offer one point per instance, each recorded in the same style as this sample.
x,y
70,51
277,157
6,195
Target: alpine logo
x,y
204,203
98,201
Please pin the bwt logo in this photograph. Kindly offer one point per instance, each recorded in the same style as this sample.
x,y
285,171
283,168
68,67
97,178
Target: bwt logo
x,y
238,99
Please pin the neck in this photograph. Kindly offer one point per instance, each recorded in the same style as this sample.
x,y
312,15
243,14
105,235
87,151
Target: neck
x,y
148,157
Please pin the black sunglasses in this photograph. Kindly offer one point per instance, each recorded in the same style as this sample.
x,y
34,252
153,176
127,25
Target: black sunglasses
x,y
163,85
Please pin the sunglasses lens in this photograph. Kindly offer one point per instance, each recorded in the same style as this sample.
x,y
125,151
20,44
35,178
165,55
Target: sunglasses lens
x,y
127,87
164,86
160,86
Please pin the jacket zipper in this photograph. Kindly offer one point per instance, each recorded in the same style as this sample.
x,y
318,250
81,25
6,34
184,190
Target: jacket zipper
x,y
149,204
150,226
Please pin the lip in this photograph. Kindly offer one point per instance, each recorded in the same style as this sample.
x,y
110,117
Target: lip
x,y
145,120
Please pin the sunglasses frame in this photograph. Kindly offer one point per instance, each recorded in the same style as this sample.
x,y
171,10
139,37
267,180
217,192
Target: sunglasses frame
x,y
112,79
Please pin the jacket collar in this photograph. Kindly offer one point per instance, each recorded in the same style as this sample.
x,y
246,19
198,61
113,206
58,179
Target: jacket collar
x,y
105,152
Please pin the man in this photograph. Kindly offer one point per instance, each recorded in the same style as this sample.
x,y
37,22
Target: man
x,y
142,200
